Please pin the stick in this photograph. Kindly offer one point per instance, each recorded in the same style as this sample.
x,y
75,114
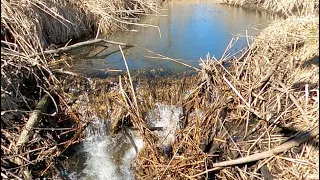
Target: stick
x,y
167,58
291,96
61,71
132,89
34,119
27,131
270,71
130,139
241,97
150,128
85,43
236,91
272,152
285,146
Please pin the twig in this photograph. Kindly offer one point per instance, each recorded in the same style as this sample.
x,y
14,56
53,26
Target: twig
x,y
26,133
241,97
150,128
61,71
167,58
126,133
7,171
270,71
291,96
236,91
174,60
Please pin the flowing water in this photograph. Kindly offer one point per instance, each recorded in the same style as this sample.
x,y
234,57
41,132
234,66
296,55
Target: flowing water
x,y
190,31
102,156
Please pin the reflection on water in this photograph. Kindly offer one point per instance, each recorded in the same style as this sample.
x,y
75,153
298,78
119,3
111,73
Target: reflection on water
x,y
190,30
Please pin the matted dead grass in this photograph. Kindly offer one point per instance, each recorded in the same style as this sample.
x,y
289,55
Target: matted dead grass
x,y
266,96
285,7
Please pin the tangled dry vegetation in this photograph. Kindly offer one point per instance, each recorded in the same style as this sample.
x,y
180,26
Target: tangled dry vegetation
x,y
285,7
30,91
256,110
261,106
266,97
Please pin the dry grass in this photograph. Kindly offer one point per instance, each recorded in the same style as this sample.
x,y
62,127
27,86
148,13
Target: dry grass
x,y
286,7
30,27
228,113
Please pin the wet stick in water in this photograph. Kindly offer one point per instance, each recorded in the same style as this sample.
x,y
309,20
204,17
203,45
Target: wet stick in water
x,y
77,45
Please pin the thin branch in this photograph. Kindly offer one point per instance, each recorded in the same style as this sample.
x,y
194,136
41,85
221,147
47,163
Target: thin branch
x,y
255,157
77,45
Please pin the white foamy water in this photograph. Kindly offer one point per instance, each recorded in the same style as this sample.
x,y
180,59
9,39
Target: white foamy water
x,y
109,158
99,164
169,118
106,157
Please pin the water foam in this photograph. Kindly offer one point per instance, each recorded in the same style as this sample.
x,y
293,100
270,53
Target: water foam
x,y
109,157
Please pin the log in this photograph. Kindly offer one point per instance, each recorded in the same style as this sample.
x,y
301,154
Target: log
x,y
77,45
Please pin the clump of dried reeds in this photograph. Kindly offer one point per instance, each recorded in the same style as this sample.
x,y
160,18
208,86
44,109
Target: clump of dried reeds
x,y
286,7
34,25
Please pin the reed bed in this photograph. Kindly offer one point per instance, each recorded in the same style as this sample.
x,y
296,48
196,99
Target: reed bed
x,y
285,7
260,100
30,91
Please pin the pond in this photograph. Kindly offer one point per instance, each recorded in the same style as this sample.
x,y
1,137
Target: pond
x,y
189,31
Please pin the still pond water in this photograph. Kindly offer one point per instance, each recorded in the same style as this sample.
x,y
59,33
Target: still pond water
x,y
190,31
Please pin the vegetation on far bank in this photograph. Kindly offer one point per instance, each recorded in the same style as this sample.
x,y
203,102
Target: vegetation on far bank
x,y
284,7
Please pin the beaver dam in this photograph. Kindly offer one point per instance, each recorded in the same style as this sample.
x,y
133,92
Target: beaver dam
x,y
186,90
